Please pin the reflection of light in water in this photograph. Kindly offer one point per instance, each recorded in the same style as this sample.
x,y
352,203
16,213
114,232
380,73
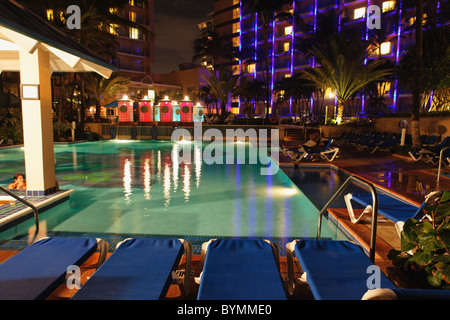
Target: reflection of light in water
x,y
167,185
186,182
127,181
282,191
175,166
198,165
158,166
147,178
123,141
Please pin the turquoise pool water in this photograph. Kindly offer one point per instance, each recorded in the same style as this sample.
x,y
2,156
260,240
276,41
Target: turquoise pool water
x,y
134,187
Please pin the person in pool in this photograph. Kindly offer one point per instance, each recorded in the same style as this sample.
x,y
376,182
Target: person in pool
x,y
19,182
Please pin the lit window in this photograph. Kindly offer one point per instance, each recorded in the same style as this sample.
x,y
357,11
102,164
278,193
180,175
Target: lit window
x,y
286,46
236,27
385,47
134,33
251,68
50,15
131,2
236,2
61,17
132,16
235,69
236,42
287,75
359,13
388,6
114,29
236,13
113,10
288,31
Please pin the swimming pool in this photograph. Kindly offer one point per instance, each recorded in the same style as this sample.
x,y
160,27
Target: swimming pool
x,y
136,187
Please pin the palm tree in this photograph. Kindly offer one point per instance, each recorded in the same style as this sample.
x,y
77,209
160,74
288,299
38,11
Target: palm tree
x,y
102,90
268,11
250,91
342,69
221,84
415,132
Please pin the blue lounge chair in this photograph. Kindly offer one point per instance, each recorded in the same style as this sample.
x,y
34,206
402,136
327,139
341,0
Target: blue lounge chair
x,y
240,270
385,145
139,269
395,210
38,270
406,294
335,270
327,153
430,152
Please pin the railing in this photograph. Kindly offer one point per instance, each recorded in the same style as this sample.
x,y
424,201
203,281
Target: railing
x,y
440,162
35,211
373,233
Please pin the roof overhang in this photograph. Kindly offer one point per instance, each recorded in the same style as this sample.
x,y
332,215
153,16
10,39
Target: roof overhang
x,y
62,59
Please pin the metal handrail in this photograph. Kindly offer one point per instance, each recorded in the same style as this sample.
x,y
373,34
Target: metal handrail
x,y
374,211
35,211
440,162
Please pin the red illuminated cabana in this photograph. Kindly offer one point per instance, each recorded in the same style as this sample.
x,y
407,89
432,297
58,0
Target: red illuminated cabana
x,y
145,110
125,106
186,110
165,109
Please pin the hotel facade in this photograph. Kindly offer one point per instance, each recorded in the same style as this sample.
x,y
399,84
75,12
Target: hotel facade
x,y
243,29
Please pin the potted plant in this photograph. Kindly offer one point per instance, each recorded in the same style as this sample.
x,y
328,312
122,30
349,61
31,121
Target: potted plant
x,y
425,244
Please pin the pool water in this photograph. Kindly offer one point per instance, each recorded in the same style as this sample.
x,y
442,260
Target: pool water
x,y
135,187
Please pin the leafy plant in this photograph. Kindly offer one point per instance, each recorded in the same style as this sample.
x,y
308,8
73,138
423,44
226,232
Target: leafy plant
x,y
425,244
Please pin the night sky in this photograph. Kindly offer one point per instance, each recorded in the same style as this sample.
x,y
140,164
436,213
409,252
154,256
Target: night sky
x,y
175,30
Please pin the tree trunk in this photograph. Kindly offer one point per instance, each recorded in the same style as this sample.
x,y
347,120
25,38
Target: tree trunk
x,y
415,133
340,111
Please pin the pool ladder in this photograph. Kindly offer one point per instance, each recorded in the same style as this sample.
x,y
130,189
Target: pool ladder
x,y
35,211
440,162
373,191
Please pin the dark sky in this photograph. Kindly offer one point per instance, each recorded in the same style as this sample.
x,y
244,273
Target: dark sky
x,y
175,30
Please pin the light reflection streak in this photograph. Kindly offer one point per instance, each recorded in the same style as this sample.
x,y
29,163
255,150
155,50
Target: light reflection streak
x,y
186,182
166,185
198,165
127,181
147,179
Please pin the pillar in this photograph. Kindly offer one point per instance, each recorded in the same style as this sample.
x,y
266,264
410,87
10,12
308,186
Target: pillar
x,y
37,123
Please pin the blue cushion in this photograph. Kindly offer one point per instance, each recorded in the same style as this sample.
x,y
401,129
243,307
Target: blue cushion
x,y
389,207
38,270
336,270
138,269
240,270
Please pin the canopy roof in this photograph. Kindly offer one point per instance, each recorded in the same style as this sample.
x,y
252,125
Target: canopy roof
x,y
20,28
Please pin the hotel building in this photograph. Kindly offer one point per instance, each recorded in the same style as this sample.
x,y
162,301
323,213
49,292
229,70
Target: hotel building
x,y
233,23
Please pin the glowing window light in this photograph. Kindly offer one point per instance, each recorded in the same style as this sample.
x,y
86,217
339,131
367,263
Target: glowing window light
x,y
288,31
359,13
388,6
385,47
286,46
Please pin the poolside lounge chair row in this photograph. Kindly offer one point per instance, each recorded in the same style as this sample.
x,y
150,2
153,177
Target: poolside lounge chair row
x,y
371,142
432,153
233,269
328,152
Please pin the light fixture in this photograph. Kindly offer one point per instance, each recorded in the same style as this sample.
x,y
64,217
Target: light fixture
x,y
29,91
